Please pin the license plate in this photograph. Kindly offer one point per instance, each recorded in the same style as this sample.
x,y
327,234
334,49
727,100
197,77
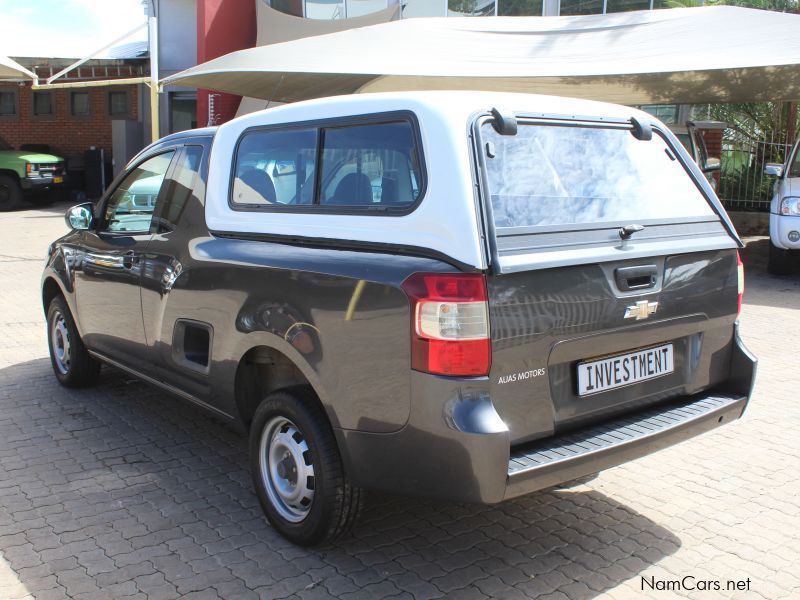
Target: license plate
x,y
58,179
624,369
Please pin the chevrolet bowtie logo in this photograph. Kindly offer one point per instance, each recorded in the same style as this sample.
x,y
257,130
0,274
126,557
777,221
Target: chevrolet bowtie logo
x,y
641,310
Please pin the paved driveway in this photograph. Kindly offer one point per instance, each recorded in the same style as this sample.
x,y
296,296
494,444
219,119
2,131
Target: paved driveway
x,y
121,491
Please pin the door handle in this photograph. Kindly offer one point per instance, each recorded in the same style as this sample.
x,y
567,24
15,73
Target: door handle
x,y
636,278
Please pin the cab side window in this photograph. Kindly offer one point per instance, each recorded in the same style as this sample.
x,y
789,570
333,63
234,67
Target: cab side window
x,y
177,190
130,208
275,168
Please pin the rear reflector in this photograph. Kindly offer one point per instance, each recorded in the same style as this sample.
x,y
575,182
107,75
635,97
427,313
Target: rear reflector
x,y
450,324
740,276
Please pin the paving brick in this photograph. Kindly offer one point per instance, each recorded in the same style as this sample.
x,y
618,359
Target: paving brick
x,y
119,491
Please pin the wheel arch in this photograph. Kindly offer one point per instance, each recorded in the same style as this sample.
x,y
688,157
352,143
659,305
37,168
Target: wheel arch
x,y
263,369
50,289
10,173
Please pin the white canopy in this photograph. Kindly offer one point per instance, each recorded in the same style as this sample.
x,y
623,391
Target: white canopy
x,y
689,55
12,70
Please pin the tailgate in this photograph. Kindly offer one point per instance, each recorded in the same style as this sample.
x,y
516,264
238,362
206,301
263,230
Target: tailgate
x,y
567,348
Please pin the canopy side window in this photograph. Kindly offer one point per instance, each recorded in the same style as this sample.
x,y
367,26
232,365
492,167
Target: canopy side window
x,y
371,164
275,168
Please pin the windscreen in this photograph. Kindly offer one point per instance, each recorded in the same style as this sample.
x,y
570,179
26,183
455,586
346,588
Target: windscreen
x,y
552,175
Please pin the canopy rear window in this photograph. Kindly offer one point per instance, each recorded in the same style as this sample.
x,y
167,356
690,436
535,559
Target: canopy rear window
x,y
548,176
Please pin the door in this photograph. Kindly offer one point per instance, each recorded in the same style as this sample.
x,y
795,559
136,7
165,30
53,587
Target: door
x,y
177,314
107,281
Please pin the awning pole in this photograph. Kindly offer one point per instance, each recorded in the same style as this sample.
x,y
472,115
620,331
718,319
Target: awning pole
x,y
152,38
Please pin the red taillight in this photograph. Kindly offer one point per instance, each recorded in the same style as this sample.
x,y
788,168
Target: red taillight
x,y
449,324
740,278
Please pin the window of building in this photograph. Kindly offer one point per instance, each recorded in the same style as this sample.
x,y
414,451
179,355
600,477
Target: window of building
x,y
359,8
470,8
325,9
581,7
520,8
79,104
423,8
626,5
42,104
118,105
8,103
290,7
666,113
182,111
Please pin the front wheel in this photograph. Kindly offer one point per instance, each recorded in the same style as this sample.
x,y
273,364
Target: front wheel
x,y
779,261
297,470
10,193
72,363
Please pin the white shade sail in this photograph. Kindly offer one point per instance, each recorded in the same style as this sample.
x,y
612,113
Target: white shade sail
x,y
274,27
687,55
12,70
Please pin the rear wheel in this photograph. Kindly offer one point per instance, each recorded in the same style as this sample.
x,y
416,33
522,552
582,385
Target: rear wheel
x,y
297,470
72,363
779,261
10,193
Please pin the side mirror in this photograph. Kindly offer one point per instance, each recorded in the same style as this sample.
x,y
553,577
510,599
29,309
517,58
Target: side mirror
x,y
773,170
712,165
80,216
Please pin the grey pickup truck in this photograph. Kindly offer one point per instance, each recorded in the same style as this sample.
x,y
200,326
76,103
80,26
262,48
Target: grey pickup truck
x,y
468,296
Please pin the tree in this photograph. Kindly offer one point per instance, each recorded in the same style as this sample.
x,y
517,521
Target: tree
x,y
790,6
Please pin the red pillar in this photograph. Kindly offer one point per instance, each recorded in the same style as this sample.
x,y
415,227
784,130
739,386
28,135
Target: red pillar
x,y
223,26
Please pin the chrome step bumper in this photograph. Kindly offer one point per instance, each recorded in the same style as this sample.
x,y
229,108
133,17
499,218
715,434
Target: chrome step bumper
x,y
579,453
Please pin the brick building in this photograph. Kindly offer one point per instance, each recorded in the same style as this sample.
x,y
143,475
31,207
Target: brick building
x,y
70,121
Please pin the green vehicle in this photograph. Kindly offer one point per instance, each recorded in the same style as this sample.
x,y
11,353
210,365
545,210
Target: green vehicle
x,y
23,172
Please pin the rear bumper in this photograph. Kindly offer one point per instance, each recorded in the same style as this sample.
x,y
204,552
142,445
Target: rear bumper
x,y
576,454
456,447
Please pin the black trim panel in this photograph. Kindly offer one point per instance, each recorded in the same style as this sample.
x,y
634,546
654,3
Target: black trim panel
x,y
351,245
161,385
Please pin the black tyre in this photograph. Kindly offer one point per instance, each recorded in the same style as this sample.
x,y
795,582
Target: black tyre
x,y
44,198
10,193
297,470
779,261
72,364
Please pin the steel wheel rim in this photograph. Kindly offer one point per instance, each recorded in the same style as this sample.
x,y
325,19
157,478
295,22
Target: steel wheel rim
x,y
60,343
287,469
